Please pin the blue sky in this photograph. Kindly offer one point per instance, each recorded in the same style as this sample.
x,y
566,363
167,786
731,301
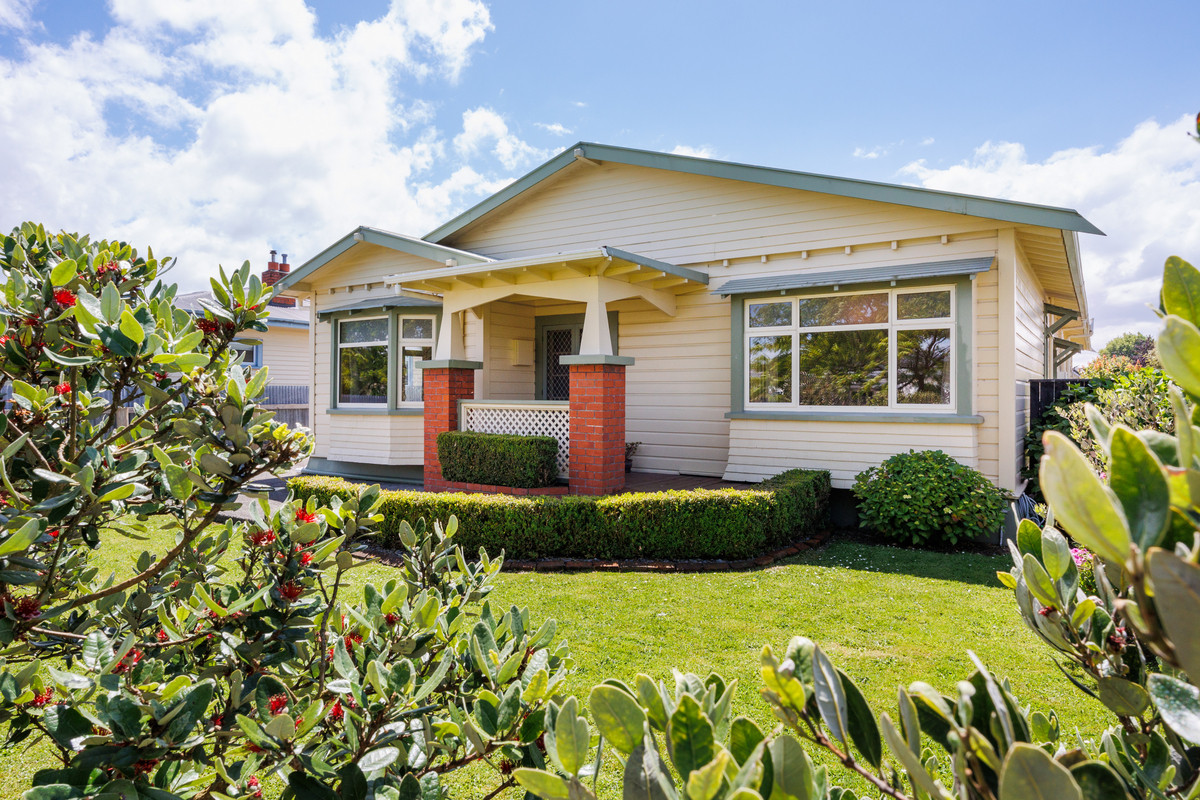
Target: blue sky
x,y
216,129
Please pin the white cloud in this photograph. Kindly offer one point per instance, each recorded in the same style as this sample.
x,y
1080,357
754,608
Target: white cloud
x,y
554,128
16,14
216,129
928,140
874,152
483,127
703,151
579,104
1144,193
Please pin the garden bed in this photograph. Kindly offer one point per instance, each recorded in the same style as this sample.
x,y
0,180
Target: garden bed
x,y
708,524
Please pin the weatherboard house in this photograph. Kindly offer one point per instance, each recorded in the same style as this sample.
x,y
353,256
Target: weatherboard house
x,y
735,320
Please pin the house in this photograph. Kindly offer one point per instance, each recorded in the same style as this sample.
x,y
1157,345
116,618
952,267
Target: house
x,y
735,320
284,348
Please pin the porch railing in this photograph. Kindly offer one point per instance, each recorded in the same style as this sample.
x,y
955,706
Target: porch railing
x,y
523,418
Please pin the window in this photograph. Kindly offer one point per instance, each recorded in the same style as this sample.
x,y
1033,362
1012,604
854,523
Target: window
x,y
363,362
251,353
416,344
868,350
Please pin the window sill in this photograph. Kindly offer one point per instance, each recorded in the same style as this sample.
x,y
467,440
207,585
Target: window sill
x,y
416,411
858,416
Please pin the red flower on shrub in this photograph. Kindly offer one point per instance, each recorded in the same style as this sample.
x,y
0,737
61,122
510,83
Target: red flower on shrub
x,y
305,516
336,711
104,269
129,661
65,298
260,538
161,635
5,339
160,376
352,639
53,533
62,388
41,698
291,590
305,559
253,785
33,321
27,608
207,325
145,766
391,618
278,703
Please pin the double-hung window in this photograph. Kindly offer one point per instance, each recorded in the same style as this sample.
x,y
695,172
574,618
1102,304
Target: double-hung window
x,y
416,344
889,349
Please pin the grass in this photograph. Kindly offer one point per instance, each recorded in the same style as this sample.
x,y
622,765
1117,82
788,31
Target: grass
x,y
887,616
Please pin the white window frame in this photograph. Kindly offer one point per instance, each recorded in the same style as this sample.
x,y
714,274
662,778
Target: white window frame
x,y
892,326
401,341
341,345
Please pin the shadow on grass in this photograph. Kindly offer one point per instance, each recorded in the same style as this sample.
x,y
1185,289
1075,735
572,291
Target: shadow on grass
x,y
855,553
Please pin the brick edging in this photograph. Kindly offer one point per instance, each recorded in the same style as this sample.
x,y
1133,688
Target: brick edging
x,y
650,565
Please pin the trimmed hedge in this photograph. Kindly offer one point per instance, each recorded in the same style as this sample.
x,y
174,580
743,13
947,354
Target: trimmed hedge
x,y
702,523
498,459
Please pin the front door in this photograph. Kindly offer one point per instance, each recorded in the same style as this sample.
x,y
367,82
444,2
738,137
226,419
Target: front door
x,y
558,340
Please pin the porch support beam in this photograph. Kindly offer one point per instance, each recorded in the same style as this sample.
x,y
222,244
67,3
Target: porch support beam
x,y
589,290
450,344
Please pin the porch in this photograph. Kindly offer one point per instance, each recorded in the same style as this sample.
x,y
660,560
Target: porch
x,y
530,347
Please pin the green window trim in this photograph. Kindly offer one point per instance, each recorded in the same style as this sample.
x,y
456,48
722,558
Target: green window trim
x,y
393,407
554,320
963,348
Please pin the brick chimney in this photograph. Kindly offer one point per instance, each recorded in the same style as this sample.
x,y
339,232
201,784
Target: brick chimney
x,y
273,274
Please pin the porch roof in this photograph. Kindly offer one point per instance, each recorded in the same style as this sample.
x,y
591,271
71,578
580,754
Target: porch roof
x,y
379,303
604,261
846,277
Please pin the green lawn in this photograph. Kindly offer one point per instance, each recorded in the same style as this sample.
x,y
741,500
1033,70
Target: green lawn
x,y
886,616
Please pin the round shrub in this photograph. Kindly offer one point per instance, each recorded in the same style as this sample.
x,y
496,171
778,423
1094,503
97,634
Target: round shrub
x,y
928,499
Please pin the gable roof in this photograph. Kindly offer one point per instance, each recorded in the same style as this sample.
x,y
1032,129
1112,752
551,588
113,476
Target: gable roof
x,y
281,316
970,205
396,241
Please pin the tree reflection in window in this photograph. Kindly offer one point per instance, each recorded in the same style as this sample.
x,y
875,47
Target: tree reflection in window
x,y
923,366
770,369
843,368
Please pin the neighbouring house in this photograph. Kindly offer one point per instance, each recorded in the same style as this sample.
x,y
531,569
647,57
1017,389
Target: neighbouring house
x,y
284,348
735,320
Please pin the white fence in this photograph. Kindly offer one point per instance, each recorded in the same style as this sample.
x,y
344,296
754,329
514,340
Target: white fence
x,y
532,418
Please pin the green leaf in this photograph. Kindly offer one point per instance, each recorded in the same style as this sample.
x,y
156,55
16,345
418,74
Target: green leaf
x,y
1098,781
571,739
110,303
705,782
63,272
435,679
1029,538
1030,774
543,784
1181,289
378,759
864,731
97,650
617,716
646,777
690,736
1056,553
21,539
831,700
120,492
909,760
1138,480
1086,508
308,787
67,361
744,736
195,703
1178,704
66,725
793,772
1123,697
1177,596
1039,583
1179,351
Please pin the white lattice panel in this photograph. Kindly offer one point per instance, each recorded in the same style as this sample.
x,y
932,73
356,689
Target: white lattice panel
x,y
522,419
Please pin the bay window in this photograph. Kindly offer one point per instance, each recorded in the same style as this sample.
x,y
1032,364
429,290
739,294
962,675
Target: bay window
x,y
364,368
890,349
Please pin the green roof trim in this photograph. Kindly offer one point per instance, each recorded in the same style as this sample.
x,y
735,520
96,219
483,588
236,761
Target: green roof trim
x,y
379,304
849,277
694,275
405,244
932,199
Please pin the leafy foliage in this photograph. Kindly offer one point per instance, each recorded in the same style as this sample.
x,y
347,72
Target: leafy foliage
x,y
1138,400
704,523
1054,418
1135,642
1137,347
230,658
927,498
498,459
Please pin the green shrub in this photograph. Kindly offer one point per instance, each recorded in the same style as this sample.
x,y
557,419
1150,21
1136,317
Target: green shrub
x,y
498,459
1138,399
705,523
927,498
1054,418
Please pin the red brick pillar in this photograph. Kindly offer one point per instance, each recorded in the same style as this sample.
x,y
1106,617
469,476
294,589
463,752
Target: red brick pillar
x,y
597,423
444,384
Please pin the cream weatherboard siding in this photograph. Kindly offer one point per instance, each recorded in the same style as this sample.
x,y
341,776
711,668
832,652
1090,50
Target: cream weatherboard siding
x,y
285,353
986,372
761,448
1030,349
